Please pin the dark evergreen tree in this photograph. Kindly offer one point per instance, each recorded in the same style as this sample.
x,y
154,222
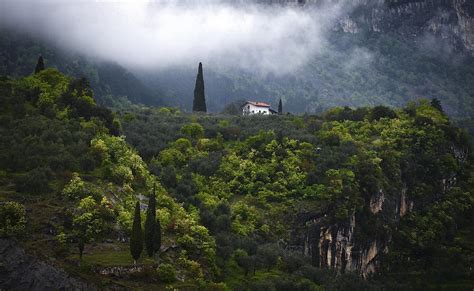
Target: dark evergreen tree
x,y
437,104
39,65
157,244
80,245
199,102
150,225
136,240
280,107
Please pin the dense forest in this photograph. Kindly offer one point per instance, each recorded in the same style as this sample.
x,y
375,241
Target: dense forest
x,y
353,198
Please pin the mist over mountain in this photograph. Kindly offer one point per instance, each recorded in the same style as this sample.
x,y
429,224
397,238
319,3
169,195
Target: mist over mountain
x,y
313,54
127,160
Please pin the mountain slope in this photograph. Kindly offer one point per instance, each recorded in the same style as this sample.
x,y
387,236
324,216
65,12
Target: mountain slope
x,y
363,69
112,84
68,180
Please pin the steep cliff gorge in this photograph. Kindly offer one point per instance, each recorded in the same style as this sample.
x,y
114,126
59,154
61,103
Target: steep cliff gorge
x,y
359,243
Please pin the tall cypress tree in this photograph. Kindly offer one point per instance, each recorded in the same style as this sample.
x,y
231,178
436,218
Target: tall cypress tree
x,y
280,107
39,65
136,240
157,244
150,225
435,103
199,102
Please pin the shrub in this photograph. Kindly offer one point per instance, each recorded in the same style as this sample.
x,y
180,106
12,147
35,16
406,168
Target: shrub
x,y
12,219
35,181
382,112
166,273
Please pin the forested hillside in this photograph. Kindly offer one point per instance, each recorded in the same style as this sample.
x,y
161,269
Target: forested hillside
x,y
363,191
113,84
279,202
69,184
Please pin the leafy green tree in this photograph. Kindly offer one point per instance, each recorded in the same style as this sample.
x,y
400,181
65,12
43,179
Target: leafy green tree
x,y
280,107
136,240
12,219
194,130
150,225
90,220
39,65
199,102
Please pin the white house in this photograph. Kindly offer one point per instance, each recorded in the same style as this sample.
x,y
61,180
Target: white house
x,y
251,108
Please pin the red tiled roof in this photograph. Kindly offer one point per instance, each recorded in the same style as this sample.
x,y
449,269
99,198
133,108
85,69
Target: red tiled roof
x,y
259,104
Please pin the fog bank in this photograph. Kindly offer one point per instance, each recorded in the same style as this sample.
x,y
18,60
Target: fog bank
x,y
163,34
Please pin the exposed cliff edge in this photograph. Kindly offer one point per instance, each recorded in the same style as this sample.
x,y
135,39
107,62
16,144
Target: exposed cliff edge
x,y
20,271
358,243
452,20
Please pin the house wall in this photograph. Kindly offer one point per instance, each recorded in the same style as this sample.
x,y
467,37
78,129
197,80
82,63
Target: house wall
x,y
249,109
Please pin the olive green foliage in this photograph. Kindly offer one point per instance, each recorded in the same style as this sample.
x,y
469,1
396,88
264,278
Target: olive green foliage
x,y
75,188
81,180
193,130
262,173
136,239
91,219
166,273
12,219
233,193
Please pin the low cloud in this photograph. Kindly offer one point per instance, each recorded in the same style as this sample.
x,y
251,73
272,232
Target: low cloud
x,y
163,34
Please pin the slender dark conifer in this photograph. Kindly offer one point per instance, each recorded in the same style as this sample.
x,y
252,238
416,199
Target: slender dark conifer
x,y
150,225
39,65
157,245
280,107
199,102
136,240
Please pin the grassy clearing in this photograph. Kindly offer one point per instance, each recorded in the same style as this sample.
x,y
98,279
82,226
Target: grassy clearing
x,y
111,255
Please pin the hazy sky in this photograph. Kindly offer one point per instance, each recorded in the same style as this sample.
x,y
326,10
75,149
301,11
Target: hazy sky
x,y
161,34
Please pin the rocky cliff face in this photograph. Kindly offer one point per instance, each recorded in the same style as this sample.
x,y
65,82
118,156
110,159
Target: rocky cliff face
x,y
452,20
19,271
357,244
336,245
